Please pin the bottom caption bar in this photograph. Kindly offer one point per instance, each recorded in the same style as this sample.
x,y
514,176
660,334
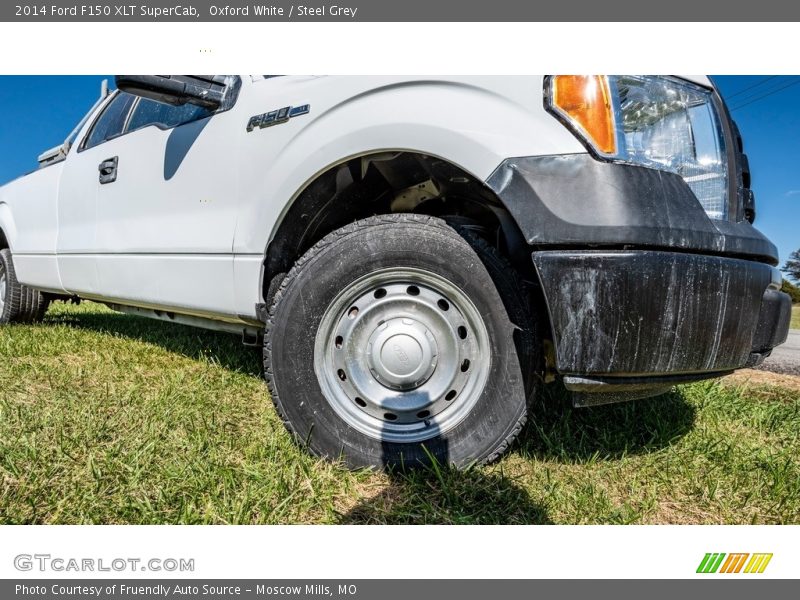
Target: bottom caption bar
x,y
367,589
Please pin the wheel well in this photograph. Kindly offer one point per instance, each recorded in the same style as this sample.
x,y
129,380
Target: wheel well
x,y
392,182
3,240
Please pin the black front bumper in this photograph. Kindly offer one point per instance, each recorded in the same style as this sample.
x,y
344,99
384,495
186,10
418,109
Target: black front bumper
x,y
643,289
635,320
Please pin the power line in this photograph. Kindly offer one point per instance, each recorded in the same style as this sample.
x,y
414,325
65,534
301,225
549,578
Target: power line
x,y
750,87
776,85
770,93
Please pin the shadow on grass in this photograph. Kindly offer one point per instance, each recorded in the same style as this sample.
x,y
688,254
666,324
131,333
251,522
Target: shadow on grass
x,y
556,430
225,349
436,495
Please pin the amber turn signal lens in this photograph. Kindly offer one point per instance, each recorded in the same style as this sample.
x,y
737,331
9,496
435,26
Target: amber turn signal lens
x,y
586,101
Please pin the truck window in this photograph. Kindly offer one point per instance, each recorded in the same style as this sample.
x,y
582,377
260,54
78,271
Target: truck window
x,y
148,112
111,123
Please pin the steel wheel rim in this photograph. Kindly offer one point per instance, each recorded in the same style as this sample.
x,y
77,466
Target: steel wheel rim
x,y
402,355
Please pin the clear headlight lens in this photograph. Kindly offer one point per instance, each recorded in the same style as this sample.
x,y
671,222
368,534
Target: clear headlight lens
x,y
656,122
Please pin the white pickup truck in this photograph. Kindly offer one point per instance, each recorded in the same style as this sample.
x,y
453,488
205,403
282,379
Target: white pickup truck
x,y
420,254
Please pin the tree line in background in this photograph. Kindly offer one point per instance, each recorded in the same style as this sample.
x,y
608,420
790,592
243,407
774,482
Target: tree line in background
x,y
792,271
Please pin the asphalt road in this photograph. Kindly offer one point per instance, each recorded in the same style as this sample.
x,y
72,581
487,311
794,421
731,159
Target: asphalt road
x,y
786,357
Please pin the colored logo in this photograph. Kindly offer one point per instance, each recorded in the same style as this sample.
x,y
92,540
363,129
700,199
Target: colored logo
x,y
742,562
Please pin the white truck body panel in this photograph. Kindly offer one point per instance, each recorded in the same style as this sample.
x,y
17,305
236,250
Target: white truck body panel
x,y
29,218
473,122
186,225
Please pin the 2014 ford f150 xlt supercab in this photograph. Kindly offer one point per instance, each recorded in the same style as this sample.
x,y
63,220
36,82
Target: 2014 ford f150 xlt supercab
x,y
420,254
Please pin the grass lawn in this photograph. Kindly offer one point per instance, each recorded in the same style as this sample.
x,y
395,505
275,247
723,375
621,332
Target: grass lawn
x,y
107,418
795,324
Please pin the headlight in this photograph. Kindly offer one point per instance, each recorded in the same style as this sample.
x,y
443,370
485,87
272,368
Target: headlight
x,y
655,122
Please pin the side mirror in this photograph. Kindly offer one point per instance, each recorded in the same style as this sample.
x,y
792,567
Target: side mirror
x,y
208,91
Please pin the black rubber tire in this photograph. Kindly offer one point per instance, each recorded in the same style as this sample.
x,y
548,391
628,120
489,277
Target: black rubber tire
x,y
402,240
22,304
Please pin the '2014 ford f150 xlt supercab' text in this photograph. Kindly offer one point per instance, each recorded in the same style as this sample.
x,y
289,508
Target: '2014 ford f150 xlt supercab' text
x,y
419,255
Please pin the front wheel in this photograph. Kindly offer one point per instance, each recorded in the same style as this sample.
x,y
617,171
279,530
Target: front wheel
x,y
397,340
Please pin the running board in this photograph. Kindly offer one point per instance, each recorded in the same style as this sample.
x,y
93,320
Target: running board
x,y
251,336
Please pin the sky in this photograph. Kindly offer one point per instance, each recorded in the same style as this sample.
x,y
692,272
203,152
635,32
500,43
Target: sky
x,y
39,112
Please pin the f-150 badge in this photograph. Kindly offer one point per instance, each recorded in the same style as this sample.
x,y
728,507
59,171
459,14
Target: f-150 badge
x,y
276,117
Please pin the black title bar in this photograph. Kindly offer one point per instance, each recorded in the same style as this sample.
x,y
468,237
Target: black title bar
x,y
402,10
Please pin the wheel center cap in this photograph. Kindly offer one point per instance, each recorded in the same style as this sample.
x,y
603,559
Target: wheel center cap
x,y
402,353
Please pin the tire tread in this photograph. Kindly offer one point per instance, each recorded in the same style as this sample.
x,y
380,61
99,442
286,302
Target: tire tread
x,y
24,304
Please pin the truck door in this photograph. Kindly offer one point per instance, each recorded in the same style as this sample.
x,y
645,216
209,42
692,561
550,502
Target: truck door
x,y
77,196
166,209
